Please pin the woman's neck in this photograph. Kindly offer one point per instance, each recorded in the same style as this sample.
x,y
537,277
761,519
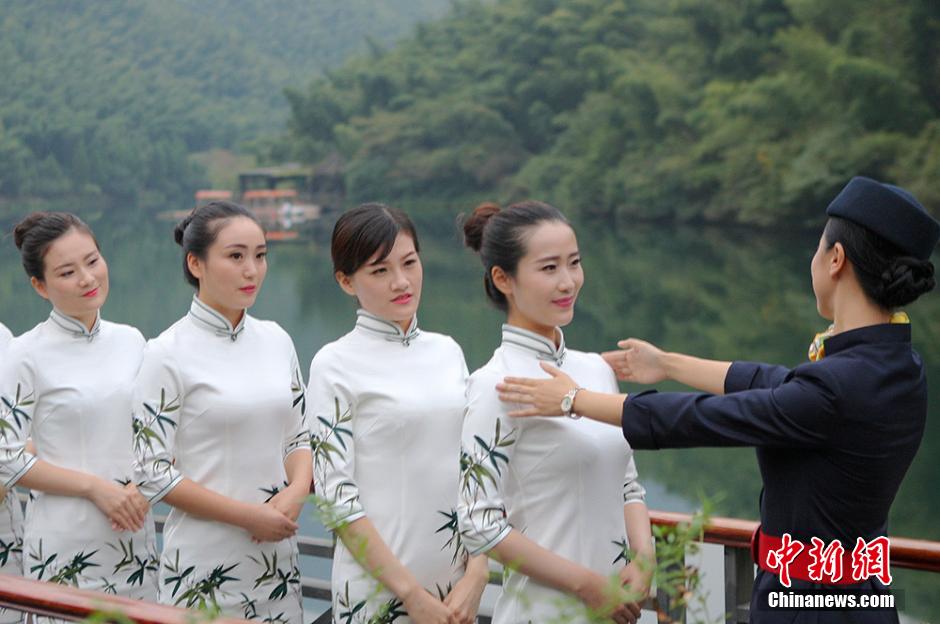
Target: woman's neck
x,y
233,316
852,310
546,331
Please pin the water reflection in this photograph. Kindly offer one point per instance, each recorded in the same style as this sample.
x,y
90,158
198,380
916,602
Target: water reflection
x,y
716,292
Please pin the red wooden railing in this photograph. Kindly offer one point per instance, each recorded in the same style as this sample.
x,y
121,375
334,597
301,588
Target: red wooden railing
x,y
67,602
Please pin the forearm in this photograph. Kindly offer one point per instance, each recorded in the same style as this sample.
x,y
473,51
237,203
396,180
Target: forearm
x,y
636,518
52,479
365,544
478,568
521,553
194,499
600,406
299,468
705,375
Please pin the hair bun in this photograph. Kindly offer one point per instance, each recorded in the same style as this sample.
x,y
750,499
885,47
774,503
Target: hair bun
x,y
474,224
21,231
180,230
905,280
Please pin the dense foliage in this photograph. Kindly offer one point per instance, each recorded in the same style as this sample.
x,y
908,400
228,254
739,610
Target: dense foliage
x,y
753,111
108,99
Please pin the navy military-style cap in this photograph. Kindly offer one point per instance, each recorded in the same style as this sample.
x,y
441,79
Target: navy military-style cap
x,y
889,211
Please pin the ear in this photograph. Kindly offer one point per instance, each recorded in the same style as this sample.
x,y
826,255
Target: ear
x,y
195,265
39,286
501,280
837,261
345,282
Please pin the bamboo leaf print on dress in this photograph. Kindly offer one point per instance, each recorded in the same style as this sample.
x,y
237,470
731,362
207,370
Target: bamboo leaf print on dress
x,y
623,551
323,448
15,408
145,433
11,548
44,562
454,540
139,566
474,468
202,593
70,572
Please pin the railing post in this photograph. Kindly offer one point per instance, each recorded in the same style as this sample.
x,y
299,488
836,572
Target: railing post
x,y
667,609
739,581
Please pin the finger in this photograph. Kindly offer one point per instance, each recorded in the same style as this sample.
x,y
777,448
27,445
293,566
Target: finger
x,y
627,343
521,381
523,413
513,387
516,397
634,609
551,370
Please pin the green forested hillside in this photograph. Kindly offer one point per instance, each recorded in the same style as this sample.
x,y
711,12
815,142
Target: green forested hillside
x,y
109,98
751,111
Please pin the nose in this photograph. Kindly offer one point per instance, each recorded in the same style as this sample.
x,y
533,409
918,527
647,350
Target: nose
x,y
566,281
84,277
399,280
250,269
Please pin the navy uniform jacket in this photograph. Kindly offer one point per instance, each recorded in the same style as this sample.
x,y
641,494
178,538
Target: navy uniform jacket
x,y
834,440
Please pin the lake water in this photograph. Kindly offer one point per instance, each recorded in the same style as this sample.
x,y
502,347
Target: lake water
x,y
716,292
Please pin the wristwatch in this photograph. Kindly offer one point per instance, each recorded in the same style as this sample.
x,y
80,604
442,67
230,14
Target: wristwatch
x,y
567,403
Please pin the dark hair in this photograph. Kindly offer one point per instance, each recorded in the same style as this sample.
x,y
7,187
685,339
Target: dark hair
x,y
196,233
361,232
887,275
498,235
34,234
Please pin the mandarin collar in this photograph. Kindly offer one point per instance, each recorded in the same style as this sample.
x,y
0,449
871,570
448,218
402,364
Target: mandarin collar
x,y
210,320
882,333
388,330
540,346
74,327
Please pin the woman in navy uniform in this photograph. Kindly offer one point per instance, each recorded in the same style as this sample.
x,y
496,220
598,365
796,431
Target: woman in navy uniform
x,y
834,436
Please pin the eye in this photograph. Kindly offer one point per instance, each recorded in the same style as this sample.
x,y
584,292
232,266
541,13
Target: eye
x,y
66,273
379,271
576,261
549,268
261,255
93,261
411,261
236,255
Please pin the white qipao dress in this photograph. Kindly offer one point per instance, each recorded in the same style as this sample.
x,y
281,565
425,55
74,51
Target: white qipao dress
x,y
224,407
561,482
387,413
11,515
69,389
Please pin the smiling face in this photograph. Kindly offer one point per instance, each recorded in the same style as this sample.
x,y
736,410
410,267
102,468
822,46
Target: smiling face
x,y
75,276
548,279
389,288
234,268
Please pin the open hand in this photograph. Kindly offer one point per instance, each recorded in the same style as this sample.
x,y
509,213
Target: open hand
x,y
538,397
637,361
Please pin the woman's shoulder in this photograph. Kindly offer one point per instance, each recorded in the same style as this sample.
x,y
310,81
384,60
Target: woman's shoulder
x,y
442,341
124,332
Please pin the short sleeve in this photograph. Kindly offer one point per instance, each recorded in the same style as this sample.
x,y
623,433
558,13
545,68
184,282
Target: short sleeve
x,y
157,400
799,412
18,403
297,433
486,451
331,437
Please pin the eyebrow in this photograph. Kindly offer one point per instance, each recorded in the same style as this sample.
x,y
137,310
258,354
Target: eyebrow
x,y
87,256
385,259
241,246
557,257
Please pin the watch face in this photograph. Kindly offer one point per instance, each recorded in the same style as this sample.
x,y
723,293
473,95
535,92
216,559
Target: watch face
x,y
566,403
